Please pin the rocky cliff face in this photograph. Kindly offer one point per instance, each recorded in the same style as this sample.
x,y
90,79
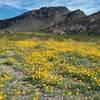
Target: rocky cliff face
x,y
93,23
76,22
57,20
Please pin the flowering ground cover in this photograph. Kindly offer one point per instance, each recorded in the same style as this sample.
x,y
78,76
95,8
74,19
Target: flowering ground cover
x,y
49,69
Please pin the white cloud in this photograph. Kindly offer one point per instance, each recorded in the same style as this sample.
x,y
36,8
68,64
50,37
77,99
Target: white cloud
x,y
12,3
71,4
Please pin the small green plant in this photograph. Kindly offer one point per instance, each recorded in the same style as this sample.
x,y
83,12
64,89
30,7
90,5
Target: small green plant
x,y
10,61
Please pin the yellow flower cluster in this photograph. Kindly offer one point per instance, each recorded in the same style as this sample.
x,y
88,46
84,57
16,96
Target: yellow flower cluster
x,y
72,46
45,66
25,44
41,69
85,74
3,79
2,96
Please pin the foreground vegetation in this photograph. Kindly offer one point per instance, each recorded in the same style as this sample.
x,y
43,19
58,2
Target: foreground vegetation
x,y
47,67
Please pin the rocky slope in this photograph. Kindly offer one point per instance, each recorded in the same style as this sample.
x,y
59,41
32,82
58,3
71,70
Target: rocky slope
x,y
57,20
36,20
76,22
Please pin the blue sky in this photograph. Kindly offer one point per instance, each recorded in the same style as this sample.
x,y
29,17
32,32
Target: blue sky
x,y
11,8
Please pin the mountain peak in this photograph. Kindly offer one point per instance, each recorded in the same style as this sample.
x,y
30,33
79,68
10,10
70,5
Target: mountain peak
x,y
55,8
78,13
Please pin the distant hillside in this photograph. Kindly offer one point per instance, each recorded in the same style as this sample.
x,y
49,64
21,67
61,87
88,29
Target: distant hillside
x,y
57,20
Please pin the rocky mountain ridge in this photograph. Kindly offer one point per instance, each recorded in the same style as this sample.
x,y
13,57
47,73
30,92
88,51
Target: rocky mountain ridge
x,y
57,20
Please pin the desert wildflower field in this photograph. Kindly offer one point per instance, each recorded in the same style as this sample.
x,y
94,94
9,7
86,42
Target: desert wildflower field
x,y
49,69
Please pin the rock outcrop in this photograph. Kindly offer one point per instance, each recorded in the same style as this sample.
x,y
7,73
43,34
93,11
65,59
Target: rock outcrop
x,y
77,22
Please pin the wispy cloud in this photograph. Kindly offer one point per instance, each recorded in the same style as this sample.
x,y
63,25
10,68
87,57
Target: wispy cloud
x,y
12,3
89,6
